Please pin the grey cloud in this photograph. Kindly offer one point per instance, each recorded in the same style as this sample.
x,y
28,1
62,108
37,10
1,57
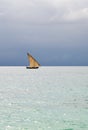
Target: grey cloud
x,y
52,29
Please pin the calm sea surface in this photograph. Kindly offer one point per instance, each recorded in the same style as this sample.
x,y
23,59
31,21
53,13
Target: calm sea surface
x,y
48,98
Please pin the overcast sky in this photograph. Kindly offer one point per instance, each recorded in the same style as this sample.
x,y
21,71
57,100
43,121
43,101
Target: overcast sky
x,y
55,32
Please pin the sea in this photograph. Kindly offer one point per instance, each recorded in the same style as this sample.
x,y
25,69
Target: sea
x,y
48,98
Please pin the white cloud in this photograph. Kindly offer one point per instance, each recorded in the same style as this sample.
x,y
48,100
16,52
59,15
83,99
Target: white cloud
x,y
80,15
46,11
76,15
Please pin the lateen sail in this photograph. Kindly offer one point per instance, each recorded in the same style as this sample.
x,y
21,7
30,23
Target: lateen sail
x,y
33,63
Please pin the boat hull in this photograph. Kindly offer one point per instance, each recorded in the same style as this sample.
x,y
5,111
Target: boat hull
x,y
28,67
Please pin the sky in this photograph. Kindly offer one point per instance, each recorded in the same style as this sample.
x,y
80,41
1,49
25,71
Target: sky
x,y
55,32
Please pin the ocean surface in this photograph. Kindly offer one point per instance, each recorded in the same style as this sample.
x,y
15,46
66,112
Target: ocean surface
x,y
48,98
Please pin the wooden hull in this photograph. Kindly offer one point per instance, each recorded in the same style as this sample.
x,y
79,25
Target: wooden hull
x,y
28,67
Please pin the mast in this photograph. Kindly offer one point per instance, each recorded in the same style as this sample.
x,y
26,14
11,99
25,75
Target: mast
x,y
32,61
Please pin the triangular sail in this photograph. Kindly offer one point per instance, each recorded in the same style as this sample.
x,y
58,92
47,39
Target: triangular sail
x,y
32,61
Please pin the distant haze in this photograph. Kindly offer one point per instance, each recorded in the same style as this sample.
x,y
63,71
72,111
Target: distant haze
x,y
55,32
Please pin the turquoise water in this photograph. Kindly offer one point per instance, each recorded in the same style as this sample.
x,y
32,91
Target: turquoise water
x,y
48,98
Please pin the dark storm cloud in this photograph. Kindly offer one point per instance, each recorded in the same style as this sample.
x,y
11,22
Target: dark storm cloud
x,y
53,31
